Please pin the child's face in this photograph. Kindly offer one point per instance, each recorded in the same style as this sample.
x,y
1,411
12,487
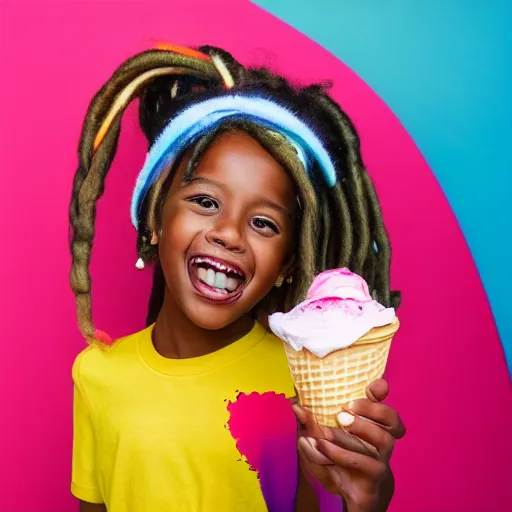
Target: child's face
x,y
226,234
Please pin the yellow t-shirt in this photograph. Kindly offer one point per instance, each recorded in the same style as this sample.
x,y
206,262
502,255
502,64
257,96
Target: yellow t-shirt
x,y
212,433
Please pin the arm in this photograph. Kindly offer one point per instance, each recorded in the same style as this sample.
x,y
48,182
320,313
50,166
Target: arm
x,y
84,484
92,507
306,499
387,488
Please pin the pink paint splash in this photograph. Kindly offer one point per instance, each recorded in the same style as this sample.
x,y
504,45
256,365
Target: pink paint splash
x,y
265,431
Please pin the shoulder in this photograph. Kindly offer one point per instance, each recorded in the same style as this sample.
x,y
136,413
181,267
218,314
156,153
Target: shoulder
x,y
274,351
95,365
273,345
272,362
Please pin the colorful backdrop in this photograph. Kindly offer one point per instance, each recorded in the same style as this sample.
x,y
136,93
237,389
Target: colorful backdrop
x,y
427,86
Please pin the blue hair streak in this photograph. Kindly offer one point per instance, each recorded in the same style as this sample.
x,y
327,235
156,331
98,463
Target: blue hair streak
x,y
194,121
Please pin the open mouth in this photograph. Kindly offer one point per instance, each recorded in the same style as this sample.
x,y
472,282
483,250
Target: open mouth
x,y
216,279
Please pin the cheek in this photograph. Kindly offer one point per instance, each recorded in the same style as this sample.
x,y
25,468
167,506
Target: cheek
x,y
179,227
270,256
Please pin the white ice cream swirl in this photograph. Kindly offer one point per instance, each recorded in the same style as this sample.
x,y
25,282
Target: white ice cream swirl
x,y
337,312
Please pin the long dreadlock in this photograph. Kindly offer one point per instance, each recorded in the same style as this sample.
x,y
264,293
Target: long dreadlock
x,y
340,226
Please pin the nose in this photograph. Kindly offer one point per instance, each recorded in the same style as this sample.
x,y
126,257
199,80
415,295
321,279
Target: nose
x,y
227,233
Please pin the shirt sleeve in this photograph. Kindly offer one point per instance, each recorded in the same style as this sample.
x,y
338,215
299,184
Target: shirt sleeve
x,y
84,484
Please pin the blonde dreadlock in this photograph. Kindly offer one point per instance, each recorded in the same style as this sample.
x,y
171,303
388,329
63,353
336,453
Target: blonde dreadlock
x,y
340,226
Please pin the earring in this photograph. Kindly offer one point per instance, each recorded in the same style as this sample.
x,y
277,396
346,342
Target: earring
x,y
289,280
140,264
279,282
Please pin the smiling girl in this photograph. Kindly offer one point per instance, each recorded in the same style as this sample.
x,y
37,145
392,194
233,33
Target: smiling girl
x,y
250,187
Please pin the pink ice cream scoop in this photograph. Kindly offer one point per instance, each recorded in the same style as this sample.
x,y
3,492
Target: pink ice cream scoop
x,y
340,283
338,310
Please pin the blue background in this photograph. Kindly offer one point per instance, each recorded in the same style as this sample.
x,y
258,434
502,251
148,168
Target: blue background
x,y
445,69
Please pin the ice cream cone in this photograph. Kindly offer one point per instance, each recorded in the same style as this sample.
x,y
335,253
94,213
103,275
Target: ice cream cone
x,y
326,384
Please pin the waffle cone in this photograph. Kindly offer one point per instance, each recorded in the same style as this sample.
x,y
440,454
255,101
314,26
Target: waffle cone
x,y
325,385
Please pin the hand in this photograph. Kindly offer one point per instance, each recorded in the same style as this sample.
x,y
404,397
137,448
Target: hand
x,y
353,460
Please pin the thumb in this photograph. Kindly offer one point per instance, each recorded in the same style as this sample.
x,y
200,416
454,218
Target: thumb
x,y
378,390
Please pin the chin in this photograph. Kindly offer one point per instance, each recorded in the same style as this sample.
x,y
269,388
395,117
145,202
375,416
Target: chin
x,y
212,320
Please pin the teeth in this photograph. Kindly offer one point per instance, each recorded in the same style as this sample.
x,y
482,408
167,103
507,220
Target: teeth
x,y
219,266
201,274
210,277
220,280
231,284
217,280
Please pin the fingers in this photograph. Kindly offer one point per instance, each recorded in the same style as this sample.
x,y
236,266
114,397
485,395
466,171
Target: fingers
x,y
307,447
379,413
346,439
341,437
310,426
378,441
377,390
350,460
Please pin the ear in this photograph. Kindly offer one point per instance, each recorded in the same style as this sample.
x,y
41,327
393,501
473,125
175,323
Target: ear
x,y
155,238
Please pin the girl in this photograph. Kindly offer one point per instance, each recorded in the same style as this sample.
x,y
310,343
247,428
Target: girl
x,y
250,187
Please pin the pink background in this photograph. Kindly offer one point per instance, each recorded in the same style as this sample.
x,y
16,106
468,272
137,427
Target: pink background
x,y
447,370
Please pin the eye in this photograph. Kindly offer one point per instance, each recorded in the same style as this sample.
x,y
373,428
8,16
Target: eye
x,y
264,225
205,202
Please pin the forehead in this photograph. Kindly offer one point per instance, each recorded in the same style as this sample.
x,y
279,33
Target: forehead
x,y
236,160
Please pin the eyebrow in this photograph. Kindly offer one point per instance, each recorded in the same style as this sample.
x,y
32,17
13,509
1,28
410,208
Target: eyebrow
x,y
274,206
194,179
262,201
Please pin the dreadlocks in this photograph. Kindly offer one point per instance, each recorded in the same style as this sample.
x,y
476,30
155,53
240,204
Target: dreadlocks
x,y
338,226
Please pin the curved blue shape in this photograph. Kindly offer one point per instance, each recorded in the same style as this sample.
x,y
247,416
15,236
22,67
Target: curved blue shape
x,y
443,67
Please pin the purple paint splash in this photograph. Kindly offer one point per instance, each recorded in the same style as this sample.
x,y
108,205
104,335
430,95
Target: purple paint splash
x,y
265,431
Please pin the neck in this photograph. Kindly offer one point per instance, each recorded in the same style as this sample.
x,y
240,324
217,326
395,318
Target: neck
x,y
176,337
